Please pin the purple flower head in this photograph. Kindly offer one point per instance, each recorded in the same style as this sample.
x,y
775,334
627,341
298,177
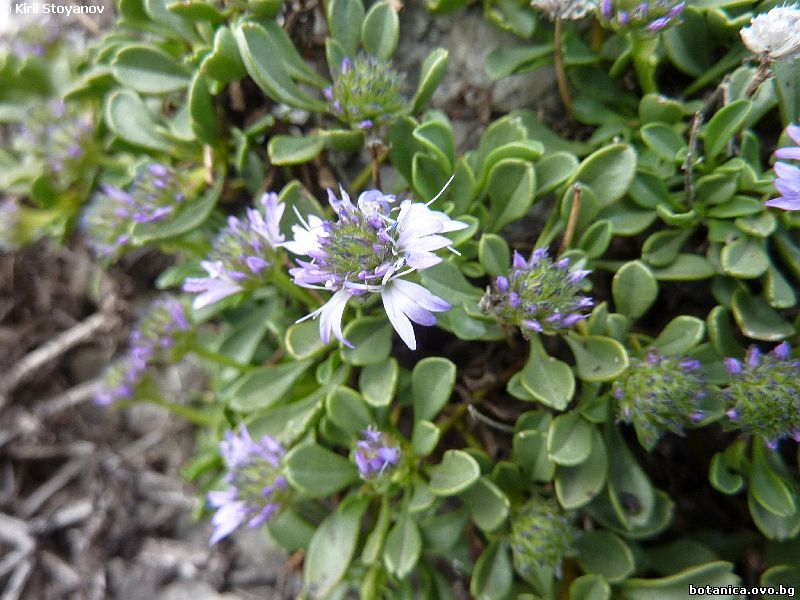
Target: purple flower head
x,y
787,180
241,254
365,92
258,489
10,234
367,250
641,17
154,195
764,393
538,295
376,455
661,394
160,331
120,381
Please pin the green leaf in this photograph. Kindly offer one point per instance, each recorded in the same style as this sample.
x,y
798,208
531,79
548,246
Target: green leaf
x,y
598,358
757,319
457,471
778,291
595,240
261,56
372,338
676,587
608,171
548,380
663,247
687,267
663,140
424,437
148,70
318,472
770,524
265,386
196,11
723,126
432,382
403,547
603,553
433,69
378,382
241,343
302,340
290,531
437,138
767,487
553,170
374,543
380,31
680,335
745,258
193,214
525,150
577,486
487,503
569,440
347,410
331,549
688,44
289,422
493,575
589,587
634,288
224,63
344,22
204,122
494,255
722,478
530,453
511,187
128,118
654,107
630,492
294,150
446,281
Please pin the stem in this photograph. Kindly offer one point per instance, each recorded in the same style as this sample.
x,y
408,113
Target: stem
x,y
761,75
572,220
697,122
194,416
643,53
479,416
446,423
376,164
561,75
221,359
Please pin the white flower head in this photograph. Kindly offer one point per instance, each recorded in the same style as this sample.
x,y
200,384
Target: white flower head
x,y
774,35
367,250
571,10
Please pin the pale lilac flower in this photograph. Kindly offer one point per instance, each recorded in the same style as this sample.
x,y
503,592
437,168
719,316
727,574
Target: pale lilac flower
x,y
788,176
377,454
241,255
641,16
366,251
774,35
258,488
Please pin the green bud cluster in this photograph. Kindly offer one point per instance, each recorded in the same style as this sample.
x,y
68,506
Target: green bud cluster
x,y
660,393
764,394
365,92
541,536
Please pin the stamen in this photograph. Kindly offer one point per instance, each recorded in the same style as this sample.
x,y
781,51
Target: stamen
x,y
436,197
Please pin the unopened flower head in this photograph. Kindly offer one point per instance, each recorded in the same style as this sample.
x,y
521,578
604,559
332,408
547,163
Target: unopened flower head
x,y
538,295
257,487
787,180
10,235
120,381
565,9
156,194
640,16
61,136
764,394
774,35
659,394
159,334
157,338
541,536
365,92
377,454
367,250
242,254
